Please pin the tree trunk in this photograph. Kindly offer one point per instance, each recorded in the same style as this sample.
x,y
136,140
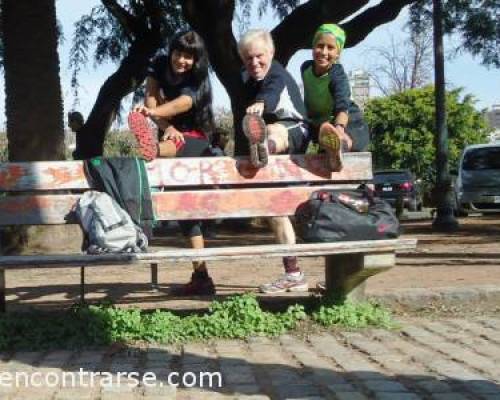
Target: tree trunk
x,y
213,22
127,78
35,129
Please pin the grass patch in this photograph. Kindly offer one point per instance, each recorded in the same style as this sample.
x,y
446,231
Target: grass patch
x,y
237,317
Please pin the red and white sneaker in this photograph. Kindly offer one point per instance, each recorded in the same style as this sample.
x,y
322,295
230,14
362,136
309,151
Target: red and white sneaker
x,y
287,283
255,130
144,135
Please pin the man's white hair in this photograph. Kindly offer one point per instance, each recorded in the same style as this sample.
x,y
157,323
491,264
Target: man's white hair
x,y
255,35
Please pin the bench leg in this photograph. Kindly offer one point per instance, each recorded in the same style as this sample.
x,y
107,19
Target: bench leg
x,y
154,277
2,290
346,274
82,285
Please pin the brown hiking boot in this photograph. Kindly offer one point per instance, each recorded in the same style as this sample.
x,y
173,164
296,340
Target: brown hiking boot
x,y
200,285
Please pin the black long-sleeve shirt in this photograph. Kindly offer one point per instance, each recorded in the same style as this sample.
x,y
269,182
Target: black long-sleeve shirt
x,y
279,92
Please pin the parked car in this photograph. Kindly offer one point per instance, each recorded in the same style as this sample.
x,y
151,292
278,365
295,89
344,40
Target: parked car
x,y
398,185
478,180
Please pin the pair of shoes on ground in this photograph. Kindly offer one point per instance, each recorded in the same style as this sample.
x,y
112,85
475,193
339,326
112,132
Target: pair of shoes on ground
x,y
143,133
332,143
287,283
254,128
202,285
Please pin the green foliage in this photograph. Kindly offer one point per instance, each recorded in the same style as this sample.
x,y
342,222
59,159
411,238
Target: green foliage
x,y
403,127
238,317
120,143
476,21
353,315
4,155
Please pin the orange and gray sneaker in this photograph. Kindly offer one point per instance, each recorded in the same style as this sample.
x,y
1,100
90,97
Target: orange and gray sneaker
x,y
255,130
143,133
331,142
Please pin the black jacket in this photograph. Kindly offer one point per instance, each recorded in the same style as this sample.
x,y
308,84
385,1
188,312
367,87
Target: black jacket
x,y
125,179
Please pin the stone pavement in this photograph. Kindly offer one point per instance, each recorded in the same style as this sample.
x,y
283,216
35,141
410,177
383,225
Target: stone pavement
x,y
446,359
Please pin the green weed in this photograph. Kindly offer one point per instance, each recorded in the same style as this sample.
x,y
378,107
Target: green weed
x,y
238,317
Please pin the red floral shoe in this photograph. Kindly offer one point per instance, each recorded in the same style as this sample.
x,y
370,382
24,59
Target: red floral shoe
x,y
143,133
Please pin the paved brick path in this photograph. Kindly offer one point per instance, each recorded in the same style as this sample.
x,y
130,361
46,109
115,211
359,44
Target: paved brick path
x,y
449,359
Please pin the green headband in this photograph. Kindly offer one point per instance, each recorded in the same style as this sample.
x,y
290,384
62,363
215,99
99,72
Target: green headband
x,y
333,29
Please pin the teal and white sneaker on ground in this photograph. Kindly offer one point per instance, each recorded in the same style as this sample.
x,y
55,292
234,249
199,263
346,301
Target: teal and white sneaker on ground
x,y
287,283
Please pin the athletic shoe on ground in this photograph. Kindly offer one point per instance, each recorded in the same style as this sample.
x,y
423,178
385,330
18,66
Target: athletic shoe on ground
x,y
143,133
287,283
255,130
330,141
199,285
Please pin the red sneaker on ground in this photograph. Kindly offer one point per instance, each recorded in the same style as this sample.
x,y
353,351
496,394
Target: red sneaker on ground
x,y
143,133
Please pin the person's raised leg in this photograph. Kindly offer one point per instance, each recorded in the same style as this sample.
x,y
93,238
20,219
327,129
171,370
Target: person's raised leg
x,y
278,139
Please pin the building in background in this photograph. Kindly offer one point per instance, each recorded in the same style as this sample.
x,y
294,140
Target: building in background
x,y
360,87
493,116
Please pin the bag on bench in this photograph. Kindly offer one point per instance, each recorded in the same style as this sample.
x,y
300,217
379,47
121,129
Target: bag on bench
x,y
343,215
108,228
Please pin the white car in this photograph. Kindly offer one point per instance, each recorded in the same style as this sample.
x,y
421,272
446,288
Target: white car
x,y
478,180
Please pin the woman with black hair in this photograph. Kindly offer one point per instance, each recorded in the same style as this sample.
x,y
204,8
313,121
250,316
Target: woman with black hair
x,y
178,100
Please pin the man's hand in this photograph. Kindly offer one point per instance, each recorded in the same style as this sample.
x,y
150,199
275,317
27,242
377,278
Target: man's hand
x,y
256,108
173,134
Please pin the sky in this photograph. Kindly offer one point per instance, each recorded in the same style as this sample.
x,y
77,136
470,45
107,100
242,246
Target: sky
x,y
462,71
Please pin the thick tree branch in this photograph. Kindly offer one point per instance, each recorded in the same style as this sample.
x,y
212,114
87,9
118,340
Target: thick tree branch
x,y
296,30
128,23
212,19
359,27
153,10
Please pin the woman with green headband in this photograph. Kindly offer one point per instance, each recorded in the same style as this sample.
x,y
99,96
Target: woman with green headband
x,y
336,121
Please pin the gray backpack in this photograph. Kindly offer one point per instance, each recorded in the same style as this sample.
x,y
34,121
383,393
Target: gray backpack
x,y
108,228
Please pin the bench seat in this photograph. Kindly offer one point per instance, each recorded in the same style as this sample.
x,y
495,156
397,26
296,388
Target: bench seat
x,y
43,193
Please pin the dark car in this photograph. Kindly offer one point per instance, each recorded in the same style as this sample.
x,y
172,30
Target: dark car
x,y
398,186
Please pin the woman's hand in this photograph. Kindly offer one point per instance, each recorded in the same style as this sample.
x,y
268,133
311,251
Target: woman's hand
x,y
256,108
173,134
146,111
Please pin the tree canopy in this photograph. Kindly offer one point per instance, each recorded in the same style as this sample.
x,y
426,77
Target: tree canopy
x,y
403,126
475,22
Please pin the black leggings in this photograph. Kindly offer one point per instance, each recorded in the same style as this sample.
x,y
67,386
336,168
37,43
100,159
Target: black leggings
x,y
193,147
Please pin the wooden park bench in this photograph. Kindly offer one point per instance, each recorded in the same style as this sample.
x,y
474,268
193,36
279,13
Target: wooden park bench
x,y
41,193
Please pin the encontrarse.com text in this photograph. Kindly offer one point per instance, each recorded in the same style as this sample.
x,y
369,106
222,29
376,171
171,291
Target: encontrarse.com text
x,y
83,378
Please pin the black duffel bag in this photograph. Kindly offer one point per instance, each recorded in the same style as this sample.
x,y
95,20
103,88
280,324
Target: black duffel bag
x,y
343,215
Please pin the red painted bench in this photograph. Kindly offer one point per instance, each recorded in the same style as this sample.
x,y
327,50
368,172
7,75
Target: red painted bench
x,y
223,188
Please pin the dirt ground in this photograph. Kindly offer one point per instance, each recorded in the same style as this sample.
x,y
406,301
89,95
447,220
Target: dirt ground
x,y
470,257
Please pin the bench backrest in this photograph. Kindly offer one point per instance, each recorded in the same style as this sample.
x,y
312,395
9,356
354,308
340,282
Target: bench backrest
x,y
191,188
